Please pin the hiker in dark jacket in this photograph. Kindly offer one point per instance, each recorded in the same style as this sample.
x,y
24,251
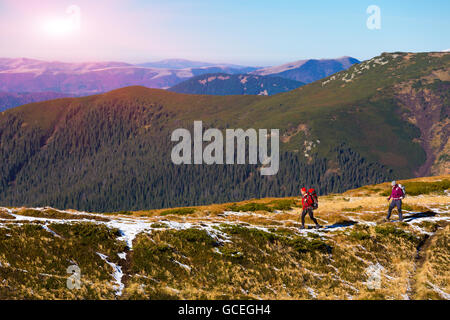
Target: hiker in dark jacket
x,y
396,196
307,204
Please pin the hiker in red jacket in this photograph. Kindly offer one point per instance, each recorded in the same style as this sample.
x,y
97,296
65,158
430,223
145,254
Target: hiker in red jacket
x,y
307,204
396,196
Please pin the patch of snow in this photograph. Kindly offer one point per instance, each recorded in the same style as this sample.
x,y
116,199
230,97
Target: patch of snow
x,y
311,292
117,274
374,275
439,291
129,228
46,228
185,266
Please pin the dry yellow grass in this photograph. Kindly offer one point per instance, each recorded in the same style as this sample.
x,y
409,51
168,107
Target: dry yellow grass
x,y
219,254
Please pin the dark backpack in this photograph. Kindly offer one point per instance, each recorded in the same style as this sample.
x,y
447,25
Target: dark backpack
x,y
315,199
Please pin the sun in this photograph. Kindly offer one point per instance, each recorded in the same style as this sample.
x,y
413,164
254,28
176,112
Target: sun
x,y
58,27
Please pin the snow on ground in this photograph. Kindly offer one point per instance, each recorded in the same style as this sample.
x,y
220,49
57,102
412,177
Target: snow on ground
x,y
185,266
45,227
311,292
130,227
439,291
117,274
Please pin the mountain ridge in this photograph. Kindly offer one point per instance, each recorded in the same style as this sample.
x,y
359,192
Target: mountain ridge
x,y
102,142
84,78
238,84
308,70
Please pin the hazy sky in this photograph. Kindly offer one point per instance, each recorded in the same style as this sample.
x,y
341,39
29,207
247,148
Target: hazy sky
x,y
252,32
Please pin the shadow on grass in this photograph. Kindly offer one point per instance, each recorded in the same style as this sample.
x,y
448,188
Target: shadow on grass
x,y
340,224
418,215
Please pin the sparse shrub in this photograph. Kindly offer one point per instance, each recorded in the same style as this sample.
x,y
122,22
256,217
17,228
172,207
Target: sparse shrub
x,y
313,235
90,234
392,231
282,204
359,235
421,187
358,208
178,211
195,235
252,206
231,253
55,214
429,226
251,233
302,245
163,247
128,213
158,225
408,207
282,231
6,215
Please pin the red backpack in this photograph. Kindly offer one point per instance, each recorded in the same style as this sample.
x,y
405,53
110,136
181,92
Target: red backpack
x,y
315,200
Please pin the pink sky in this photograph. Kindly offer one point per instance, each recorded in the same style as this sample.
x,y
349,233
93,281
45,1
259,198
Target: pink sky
x,y
252,32
105,32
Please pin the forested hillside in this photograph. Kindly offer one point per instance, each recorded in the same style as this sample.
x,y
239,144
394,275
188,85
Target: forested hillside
x,y
226,84
111,151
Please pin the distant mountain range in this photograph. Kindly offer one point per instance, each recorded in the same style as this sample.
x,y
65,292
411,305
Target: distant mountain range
x,y
31,75
184,64
238,84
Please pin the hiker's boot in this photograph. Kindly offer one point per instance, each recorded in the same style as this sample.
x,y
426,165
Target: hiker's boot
x,y
302,227
318,226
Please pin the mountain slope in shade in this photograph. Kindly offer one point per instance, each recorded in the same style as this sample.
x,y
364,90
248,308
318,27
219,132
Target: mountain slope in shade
x,y
112,151
308,70
29,75
13,99
242,84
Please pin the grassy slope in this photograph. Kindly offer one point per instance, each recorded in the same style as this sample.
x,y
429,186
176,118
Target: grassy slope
x,y
205,252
